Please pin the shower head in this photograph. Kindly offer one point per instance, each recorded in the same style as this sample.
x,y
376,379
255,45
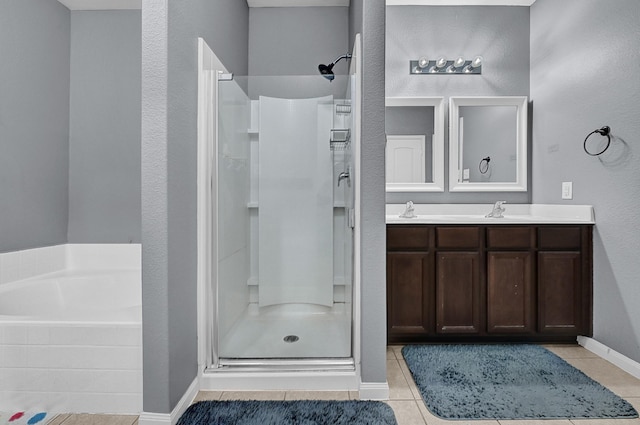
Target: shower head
x,y
327,70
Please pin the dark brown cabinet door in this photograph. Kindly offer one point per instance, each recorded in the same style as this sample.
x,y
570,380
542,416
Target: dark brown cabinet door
x,y
457,292
559,292
409,294
510,296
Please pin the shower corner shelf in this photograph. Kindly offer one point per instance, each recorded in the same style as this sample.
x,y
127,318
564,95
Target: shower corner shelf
x,y
253,131
252,205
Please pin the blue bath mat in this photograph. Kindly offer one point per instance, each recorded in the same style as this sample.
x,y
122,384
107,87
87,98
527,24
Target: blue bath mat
x,y
298,412
507,382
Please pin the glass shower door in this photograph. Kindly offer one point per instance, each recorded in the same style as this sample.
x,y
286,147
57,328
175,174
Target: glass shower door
x,y
284,263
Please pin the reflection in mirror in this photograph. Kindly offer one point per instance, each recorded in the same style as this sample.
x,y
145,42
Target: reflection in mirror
x,y
488,143
415,144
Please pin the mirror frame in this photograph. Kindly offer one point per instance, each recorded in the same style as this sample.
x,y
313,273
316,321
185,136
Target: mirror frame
x,y
437,143
521,104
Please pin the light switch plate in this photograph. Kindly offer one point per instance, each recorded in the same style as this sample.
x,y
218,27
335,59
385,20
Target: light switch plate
x,y
567,190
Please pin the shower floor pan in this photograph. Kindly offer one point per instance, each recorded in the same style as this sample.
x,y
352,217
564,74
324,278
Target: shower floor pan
x,y
286,332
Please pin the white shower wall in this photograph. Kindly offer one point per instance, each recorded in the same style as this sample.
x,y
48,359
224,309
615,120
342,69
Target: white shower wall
x,y
295,218
341,259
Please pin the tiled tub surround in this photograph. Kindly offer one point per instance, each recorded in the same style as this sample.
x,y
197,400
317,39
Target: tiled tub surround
x,y
70,329
476,214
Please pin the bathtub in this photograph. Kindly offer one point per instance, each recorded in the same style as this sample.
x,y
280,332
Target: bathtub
x,y
70,339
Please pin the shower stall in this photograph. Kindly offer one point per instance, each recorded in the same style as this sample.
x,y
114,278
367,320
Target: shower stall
x,y
280,287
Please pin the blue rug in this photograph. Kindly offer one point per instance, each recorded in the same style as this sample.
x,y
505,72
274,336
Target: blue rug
x,y
304,412
507,382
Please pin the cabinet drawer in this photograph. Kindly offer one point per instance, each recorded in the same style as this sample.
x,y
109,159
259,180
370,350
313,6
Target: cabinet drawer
x,y
559,237
510,237
457,237
412,238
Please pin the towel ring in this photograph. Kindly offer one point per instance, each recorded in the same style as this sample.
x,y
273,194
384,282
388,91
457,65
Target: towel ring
x,y
484,161
604,131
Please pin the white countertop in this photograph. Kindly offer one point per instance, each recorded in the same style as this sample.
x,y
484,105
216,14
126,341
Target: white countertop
x,y
475,214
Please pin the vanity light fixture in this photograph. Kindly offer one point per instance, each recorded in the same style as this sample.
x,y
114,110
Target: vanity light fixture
x,y
442,65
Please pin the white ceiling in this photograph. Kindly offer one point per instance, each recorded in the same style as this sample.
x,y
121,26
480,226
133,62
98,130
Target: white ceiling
x,y
101,4
460,2
296,3
137,4
302,3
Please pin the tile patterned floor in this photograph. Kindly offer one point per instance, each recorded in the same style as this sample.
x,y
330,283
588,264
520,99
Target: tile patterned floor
x,y
405,400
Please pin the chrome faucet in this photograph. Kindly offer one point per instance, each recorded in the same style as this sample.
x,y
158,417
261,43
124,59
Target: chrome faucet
x,y
408,211
344,175
498,209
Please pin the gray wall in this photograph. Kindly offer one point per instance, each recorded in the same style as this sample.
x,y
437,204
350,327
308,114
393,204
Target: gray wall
x,y
499,33
104,141
169,115
34,123
575,89
294,40
286,45
368,18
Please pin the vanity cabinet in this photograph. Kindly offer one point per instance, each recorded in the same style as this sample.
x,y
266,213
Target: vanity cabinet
x,y
488,283
409,266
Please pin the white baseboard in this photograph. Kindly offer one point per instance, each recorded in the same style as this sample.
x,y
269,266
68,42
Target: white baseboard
x,y
374,391
623,362
147,418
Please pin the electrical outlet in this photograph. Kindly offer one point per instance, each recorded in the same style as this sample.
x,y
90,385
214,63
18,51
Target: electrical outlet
x,y
567,190
465,174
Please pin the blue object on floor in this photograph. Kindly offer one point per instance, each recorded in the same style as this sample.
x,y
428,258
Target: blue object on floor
x,y
38,417
507,381
303,412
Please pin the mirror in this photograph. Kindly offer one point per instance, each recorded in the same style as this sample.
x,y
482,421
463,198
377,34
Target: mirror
x,y
415,144
488,144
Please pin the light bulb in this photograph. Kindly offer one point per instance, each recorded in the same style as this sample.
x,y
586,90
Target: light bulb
x,y
477,62
423,62
458,62
441,62
451,69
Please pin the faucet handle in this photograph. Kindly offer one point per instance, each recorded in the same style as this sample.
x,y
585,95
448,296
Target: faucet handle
x,y
497,211
408,211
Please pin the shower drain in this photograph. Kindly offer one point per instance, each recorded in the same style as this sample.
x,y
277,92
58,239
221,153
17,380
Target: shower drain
x,y
291,338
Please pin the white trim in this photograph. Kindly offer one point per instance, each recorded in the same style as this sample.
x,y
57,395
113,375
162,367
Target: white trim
x,y
209,67
374,391
521,103
148,418
356,71
296,3
623,362
102,4
214,380
460,2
